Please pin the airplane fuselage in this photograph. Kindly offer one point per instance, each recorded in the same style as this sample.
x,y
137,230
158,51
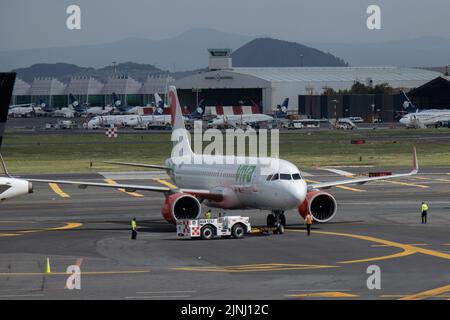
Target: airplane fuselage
x,y
246,182
425,118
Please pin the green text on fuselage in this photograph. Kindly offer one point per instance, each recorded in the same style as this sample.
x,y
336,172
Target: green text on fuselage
x,y
244,173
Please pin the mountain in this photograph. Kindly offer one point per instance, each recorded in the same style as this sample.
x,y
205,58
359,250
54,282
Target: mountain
x,y
424,51
184,52
268,52
64,71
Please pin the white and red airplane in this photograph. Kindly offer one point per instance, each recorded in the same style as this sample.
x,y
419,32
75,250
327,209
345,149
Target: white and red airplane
x,y
236,183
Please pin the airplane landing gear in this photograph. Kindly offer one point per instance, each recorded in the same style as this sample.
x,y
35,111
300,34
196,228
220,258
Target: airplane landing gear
x,y
277,221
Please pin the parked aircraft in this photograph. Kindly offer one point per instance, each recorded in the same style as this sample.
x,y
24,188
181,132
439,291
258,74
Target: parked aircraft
x,y
425,117
26,110
124,109
240,120
233,182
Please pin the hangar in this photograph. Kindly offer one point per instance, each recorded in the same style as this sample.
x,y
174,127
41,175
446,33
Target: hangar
x,y
434,94
224,85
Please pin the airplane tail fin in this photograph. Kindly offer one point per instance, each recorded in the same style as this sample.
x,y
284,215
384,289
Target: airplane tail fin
x,y
116,100
282,109
410,104
199,110
180,135
73,100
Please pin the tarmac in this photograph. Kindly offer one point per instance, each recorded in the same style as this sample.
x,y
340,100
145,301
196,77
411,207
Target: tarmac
x,y
377,224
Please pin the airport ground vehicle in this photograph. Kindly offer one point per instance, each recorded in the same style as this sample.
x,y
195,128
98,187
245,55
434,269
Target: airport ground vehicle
x,y
356,119
206,229
307,123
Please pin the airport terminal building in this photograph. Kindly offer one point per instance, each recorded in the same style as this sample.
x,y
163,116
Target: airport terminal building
x,y
90,90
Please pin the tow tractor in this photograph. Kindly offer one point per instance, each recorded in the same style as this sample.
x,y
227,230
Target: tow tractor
x,y
206,229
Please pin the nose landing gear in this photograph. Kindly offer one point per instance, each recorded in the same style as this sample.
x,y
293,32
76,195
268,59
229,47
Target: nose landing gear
x,y
276,221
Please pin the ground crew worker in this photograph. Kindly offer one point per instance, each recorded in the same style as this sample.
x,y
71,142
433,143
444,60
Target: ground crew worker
x,y
424,210
133,229
208,214
309,221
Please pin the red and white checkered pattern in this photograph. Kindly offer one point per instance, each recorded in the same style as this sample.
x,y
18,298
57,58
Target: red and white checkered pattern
x,y
111,132
195,231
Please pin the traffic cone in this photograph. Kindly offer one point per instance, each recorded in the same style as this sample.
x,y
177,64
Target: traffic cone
x,y
47,268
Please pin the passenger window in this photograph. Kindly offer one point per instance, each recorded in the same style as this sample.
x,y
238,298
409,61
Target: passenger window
x,y
297,176
285,176
269,177
275,177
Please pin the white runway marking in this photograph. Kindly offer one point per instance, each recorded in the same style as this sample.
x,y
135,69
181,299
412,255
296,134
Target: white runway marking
x,y
339,172
135,175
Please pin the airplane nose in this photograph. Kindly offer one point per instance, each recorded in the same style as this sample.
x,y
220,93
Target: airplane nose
x,y
296,192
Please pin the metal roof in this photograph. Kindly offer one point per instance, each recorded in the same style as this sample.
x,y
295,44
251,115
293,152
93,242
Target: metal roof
x,y
44,86
122,84
84,86
337,74
21,88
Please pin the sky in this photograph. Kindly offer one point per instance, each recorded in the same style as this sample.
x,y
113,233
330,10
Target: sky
x,y
42,23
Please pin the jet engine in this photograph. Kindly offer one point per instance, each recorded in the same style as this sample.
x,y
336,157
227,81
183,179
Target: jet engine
x,y
181,206
11,188
321,205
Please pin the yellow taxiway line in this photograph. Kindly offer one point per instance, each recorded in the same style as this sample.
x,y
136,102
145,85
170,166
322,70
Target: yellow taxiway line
x,y
427,294
254,268
166,183
134,194
66,226
432,179
407,184
407,248
328,294
56,189
33,274
341,187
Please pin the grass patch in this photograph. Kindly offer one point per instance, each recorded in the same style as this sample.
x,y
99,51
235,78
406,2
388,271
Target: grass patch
x,y
43,153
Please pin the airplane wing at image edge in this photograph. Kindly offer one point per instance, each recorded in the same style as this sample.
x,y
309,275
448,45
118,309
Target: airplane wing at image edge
x,y
327,185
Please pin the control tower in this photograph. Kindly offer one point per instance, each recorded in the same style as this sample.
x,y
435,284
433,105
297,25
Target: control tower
x,y
220,59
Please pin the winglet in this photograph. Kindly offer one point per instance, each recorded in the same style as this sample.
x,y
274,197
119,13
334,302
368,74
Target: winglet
x,y
415,161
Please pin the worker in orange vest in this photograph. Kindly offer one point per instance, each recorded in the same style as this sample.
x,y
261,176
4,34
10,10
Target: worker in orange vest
x,y
309,221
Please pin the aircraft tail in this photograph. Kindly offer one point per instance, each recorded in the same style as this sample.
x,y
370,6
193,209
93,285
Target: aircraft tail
x,y
73,101
282,109
6,88
199,110
409,102
180,135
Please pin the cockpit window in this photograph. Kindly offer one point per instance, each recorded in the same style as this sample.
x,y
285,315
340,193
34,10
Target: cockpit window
x,y
297,176
275,177
285,176
269,177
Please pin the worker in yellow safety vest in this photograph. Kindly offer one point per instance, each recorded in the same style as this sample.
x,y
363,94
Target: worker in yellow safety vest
x,y
208,214
309,221
424,209
133,229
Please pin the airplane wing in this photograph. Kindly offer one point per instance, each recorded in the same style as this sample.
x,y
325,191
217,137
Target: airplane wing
x,y
141,165
327,185
84,185
201,194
